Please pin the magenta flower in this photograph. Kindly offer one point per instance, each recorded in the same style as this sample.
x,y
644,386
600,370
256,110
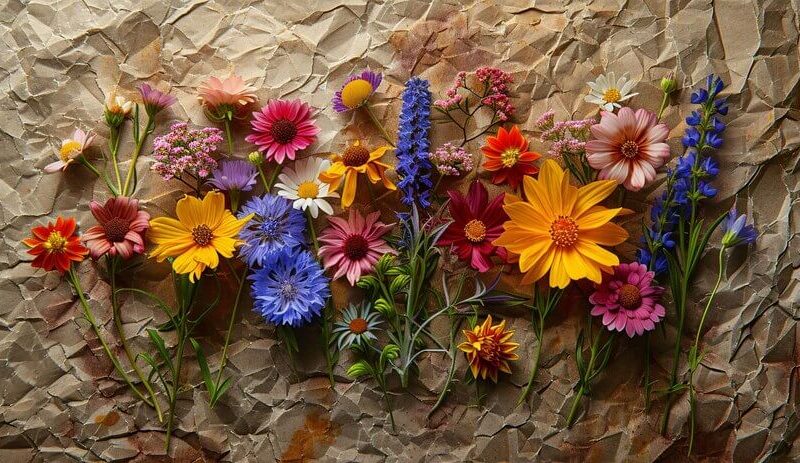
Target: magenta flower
x,y
353,246
282,128
628,300
154,100
120,228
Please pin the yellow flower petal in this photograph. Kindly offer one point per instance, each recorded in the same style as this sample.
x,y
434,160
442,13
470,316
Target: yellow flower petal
x,y
349,192
595,218
190,212
591,194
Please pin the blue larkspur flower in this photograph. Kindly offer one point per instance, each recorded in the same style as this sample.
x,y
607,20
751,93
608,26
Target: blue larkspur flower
x,y
413,164
736,231
292,291
275,229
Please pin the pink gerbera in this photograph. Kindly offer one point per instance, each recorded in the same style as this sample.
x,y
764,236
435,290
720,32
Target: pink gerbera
x,y
281,128
220,96
628,147
120,229
353,246
628,300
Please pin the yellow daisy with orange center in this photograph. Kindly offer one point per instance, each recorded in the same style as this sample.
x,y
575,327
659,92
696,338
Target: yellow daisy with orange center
x,y
489,349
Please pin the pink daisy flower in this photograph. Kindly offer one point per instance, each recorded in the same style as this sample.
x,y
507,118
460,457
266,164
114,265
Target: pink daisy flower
x,y
231,94
353,246
120,229
281,128
628,147
71,149
628,300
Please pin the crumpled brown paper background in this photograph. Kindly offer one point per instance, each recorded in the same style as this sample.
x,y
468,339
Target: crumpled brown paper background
x,y
61,400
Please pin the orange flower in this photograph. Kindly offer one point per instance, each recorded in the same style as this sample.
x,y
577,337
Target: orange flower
x,y
489,349
355,160
56,246
507,156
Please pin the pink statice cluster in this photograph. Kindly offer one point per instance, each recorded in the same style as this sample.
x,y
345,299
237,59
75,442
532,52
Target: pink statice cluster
x,y
453,97
567,137
186,150
452,160
496,82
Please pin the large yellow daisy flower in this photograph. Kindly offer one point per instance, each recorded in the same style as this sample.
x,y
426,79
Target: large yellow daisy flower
x,y
204,231
355,160
560,228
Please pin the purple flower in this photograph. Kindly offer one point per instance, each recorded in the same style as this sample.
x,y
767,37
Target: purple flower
x,y
155,100
736,231
235,174
356,91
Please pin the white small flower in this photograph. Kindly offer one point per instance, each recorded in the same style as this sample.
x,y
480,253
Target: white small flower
x,y
608,91
302,185
117,104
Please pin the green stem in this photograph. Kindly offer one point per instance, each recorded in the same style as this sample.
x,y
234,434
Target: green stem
x,y
263,178
664,101
127,188
112,270
227,123
330,361
224,358
584,381
99,174
647,386
536,357
274,176
378,124
114,148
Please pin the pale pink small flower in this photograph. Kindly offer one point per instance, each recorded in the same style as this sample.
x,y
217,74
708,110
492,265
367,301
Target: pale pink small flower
x,y
70,149
628,147
120,228
231,94
628,301
353,246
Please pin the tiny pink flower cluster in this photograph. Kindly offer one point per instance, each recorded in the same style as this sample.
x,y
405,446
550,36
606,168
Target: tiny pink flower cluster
x,y
568,137
497,82
452,160
184,149
453,97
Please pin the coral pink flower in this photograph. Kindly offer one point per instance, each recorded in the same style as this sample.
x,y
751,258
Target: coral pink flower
x,y
353,246
231,94
282,128
628,300
476,223
120,229
628,147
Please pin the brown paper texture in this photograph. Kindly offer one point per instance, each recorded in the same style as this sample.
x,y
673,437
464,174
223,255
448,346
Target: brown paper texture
x,y
61,400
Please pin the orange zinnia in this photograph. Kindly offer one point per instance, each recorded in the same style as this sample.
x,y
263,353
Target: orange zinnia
x,y
355,160
56,246
560,228
489,349
507,156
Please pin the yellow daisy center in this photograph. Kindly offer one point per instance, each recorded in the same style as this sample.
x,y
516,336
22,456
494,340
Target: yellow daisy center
x,y
564,231
358,325
612,95
308,190
355,93
68,148
202,235
629,296
629,149
55,242
355,155
509,157
475,231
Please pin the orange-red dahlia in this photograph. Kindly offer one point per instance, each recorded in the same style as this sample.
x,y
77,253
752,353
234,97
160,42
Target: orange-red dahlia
x,y
489,349
508,158
56,245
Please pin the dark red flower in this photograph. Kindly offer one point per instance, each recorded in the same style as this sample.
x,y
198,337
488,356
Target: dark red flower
x,y
476,223
56,245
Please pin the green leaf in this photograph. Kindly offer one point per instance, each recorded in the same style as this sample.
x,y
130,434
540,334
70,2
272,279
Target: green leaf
x,y
399,283
368,282
359,369
161,347
204,371
220,391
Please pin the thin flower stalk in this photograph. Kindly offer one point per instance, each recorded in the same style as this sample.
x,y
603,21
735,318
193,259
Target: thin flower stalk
x,y
545,300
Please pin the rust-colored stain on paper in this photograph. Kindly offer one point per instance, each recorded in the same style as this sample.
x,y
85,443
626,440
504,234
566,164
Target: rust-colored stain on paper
x,y
109,419
318,433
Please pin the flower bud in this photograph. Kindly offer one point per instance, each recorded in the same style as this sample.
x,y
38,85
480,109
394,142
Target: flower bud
x,y
668,84
255,158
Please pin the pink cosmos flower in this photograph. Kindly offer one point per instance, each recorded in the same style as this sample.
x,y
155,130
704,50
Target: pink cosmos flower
x,y
628,300
628,147
281,128
155,100
120,228
231,94
353,246
71,148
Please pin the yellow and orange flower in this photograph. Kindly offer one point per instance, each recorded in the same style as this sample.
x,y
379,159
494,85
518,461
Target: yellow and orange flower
x,y
489,349
56,246
204,231
355,160
560,228
508,158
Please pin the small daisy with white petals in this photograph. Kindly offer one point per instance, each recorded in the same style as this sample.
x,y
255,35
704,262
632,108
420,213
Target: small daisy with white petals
x,y
301,185
608,91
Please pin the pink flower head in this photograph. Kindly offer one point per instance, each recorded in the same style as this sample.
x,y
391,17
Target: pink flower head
x,y
353,246
221,96
186,150
155,100
70,149
120,228
628,147
628,300
281,128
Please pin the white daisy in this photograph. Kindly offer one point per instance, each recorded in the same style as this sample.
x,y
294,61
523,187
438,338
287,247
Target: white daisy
x,y
608,91
302,185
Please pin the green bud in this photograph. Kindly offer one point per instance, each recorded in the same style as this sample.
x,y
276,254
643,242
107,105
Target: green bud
x,y
668,84
399,283
255,158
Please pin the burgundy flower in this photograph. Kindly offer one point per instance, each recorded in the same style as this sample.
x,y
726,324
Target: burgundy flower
x,y
120,229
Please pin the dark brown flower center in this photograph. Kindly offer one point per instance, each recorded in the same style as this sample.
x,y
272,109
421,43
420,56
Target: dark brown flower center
x,y
116,229
355,155
358,325
283,131
629,296
202,235
564,231
475,231
356,247
489,351
629,149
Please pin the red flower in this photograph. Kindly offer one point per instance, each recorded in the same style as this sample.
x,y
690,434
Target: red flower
x,y
55,246
476,223
507,156
120,229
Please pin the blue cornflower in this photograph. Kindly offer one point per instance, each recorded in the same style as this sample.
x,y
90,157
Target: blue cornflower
x,y
691,137
292,291
413,165
736,232
275,229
